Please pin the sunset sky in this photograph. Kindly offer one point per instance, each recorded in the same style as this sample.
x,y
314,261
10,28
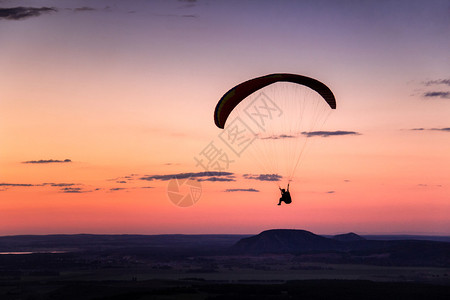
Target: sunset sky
x,y
101,102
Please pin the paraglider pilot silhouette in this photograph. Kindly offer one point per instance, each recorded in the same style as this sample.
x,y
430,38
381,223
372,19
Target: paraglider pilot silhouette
x,y
285,196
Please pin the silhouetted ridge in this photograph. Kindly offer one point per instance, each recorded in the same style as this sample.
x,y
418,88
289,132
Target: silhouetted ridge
x,y
284,241
345,248
348,237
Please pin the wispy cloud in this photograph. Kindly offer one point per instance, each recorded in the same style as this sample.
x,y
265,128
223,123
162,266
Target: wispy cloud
x,y
188,3
20,12
435,89
280,136
60,184
201,176
242,190
424,185
17,184
52,184
444,129
437,82
437,94
84,8
46,161
309,134
117,189
217,179
329,133
263,177
72,190
77,190
177,16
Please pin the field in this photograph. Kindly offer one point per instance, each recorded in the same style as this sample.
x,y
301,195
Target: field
x,y
206,277
198,267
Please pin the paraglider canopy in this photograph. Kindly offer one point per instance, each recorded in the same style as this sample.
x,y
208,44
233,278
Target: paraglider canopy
x,y
234,96
276,114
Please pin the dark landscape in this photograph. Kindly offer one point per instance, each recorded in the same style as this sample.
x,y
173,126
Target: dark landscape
x,y
275,264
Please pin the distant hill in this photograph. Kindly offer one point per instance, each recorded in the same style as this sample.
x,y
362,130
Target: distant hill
x,y
348,237
284,241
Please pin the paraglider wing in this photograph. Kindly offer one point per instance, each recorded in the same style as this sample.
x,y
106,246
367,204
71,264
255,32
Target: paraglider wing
x,y
234,96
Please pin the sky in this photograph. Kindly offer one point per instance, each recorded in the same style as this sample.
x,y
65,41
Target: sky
x,y
102,103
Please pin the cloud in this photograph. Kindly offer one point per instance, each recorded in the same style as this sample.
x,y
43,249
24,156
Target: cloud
x,y
18,184
437,82
76,190
310,134
20,12
60,184
188,3
443,95
280,136
242,190
424,185
84,8
116,189
62,187
46,161
124,179
436,89
72,190
331,192
177,16
217,179
263,177
445,129
147,187
201,176
42,184
329,133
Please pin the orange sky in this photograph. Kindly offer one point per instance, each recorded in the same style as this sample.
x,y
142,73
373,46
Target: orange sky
x,y
130,90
